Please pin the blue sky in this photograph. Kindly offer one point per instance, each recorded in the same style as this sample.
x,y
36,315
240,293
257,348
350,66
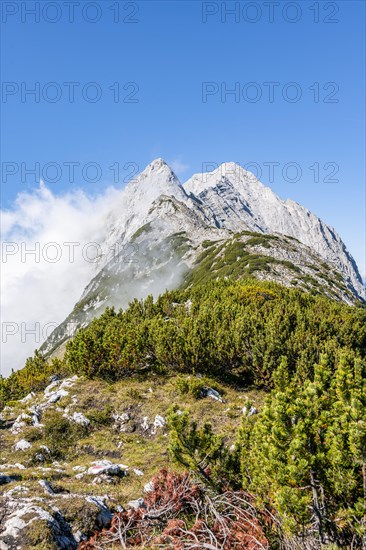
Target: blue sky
x,y
163,53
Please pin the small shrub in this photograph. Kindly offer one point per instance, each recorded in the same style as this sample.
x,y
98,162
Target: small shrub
x,y
79,513
182,385
38,455
189,517
32,378
102,417
60,434
195,387
39,535
31,433
134,394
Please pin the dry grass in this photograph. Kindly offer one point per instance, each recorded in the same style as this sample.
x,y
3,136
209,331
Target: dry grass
x,y
139,449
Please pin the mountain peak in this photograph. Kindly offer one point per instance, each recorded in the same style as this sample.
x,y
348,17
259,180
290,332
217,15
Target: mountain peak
x,y
157,178
229,171
164,222
158,164
135,200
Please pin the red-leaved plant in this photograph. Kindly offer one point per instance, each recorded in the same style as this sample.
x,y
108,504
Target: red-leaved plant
x,y
181,514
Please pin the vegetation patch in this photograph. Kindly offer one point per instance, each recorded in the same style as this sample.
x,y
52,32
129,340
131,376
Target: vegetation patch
x,y
262,240
284,452
78,512
39,536
196,386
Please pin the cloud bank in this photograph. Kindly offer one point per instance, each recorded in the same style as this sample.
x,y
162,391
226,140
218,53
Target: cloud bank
x,y
48,250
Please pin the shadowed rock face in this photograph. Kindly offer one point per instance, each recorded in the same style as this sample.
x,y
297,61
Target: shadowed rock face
x,y
156,230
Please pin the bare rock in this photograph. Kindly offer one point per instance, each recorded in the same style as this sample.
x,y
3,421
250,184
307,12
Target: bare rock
x,y
148,487
27,398
18,517
107,467
102,478
159,422
47,487
22,445
213,394
136,504
249,411
79,418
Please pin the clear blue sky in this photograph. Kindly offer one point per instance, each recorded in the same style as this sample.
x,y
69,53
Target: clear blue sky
x,y
171,49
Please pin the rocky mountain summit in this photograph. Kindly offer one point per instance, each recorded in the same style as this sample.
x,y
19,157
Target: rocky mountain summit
x,y
160,231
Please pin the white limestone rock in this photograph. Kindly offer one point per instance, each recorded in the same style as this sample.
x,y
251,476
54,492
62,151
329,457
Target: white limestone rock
x,y
107,467
22,445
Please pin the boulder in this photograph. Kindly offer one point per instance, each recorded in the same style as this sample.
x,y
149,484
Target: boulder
x,y
159,422
36,415
102,478
213,394
52,395
12,466
79,418
39,457
79,468
17,523
51,388
19,423
43,453
107,467
121,422
27,398
22,445
105,515
56,396
145,425
46,487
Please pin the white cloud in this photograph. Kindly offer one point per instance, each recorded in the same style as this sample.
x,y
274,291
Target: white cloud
x,y
39,289
178,166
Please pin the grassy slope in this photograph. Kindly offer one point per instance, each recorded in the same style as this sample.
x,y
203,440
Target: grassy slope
x,y
137,450
248,254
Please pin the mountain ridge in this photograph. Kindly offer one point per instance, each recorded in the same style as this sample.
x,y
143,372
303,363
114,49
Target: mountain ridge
x,y
283,216
155,237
